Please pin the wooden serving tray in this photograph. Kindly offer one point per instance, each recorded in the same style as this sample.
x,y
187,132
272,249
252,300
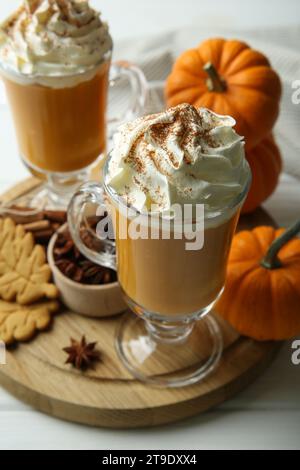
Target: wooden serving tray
x,y
107,395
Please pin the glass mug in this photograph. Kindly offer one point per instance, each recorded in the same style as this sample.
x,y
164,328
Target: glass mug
x,y
61,130
171,341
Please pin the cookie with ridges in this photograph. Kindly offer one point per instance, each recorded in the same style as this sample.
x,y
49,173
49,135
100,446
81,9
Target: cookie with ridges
x,y
24,273
20,323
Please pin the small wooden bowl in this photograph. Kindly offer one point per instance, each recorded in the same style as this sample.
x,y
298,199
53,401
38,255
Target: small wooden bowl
x,y
93,301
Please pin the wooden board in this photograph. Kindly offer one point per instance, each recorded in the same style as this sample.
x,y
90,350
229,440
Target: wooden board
x,y
107,395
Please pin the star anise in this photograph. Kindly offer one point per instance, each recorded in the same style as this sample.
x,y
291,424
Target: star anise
x,y
81,354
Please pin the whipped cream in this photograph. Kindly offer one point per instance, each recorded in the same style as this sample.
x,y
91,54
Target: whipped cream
x,y
180,156
53,38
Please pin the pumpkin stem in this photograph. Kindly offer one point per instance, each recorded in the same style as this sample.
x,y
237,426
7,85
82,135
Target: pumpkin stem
x,y
214,81
271,260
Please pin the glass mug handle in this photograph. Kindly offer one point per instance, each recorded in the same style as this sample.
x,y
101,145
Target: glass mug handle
x,y
139,91
98,250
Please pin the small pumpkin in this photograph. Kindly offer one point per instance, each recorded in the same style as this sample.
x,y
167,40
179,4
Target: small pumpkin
x,y
228,77
266,165
261,298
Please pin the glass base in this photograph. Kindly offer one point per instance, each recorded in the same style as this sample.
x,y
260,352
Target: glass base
x,y
169,355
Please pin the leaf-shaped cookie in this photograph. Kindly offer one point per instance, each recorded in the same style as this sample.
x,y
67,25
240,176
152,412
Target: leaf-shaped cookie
x,y
20,323
24,273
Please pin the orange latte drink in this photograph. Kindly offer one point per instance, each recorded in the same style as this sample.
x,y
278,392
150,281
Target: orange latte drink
x,y
185,158
163,275
55,59
60,129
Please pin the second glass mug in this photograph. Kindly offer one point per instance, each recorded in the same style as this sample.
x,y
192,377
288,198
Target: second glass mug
x,y
61,123
171,341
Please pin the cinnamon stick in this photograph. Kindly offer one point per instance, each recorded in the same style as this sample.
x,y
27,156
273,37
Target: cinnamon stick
x,y
38,226
59,217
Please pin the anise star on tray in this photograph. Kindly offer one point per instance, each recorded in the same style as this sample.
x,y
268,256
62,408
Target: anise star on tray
x,y
81,354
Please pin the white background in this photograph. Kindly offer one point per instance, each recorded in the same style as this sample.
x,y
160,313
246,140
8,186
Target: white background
x,y
267,414
135,18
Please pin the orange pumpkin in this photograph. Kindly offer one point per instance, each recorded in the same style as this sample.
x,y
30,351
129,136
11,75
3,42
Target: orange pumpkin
x,y
265,163
228,77
262,292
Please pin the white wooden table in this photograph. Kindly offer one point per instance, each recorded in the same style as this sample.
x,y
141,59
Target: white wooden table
x,y
267,414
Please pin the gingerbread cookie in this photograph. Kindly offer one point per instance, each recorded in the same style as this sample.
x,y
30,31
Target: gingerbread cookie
x,y
20,323
24,273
